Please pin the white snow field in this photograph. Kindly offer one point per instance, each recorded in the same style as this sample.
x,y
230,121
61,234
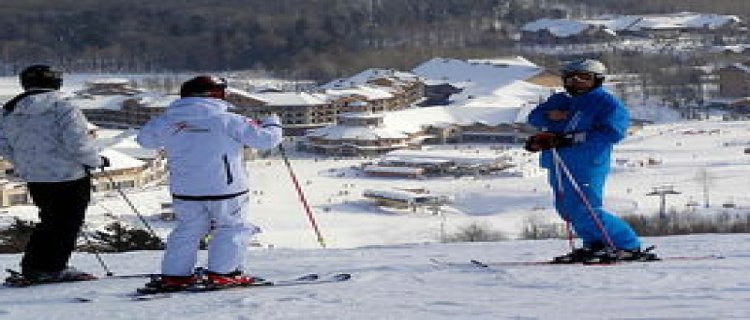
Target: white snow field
x,y
400,282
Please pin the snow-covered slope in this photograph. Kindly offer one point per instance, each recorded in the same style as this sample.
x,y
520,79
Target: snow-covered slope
x,y
400,282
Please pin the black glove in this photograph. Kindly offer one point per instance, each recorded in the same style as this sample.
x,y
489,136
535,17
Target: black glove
x,y
105,163
548,140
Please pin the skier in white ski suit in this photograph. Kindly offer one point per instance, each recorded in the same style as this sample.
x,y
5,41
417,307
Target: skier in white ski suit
x,y
204,147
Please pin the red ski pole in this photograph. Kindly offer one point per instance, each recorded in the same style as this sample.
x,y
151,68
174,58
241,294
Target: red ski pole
x,y
302,197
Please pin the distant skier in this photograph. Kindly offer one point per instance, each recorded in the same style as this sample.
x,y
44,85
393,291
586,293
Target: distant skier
x,y
46,139
581,125
204,147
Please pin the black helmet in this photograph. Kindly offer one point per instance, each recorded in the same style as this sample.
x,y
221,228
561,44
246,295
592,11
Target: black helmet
x,y
41,76
204,86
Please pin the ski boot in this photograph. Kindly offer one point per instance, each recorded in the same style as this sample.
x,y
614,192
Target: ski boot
x,y
216,280
578,255
638,255
28,278
167,283
608,255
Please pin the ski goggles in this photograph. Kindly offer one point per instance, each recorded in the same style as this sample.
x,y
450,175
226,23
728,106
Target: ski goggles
x,y
579,76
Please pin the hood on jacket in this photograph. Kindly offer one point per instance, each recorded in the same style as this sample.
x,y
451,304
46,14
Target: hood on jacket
x,y
196,107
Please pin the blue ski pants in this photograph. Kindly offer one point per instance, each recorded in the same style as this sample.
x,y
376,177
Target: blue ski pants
x,y
572,208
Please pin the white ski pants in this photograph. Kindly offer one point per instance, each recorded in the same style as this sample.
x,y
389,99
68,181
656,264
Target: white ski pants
x,y
225,220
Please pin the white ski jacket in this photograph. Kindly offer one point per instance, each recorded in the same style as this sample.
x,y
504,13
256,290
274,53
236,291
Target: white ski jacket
x,y
204,143
46,139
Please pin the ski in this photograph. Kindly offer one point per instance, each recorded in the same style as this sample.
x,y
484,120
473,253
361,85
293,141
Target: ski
x,y
146,295
488,264
17,280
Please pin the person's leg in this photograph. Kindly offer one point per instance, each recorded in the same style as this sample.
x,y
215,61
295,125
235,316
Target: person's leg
x,y
231,234
62,208
588,226
181,252
622,235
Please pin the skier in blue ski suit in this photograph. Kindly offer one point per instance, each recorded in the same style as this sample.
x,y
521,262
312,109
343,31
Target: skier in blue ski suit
x,y
582,125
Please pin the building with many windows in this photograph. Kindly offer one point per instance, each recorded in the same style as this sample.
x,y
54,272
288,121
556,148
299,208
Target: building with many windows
x,y
357,134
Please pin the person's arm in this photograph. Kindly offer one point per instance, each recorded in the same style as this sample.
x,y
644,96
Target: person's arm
x,y
75,137
611,125
151,134
265,135
539,117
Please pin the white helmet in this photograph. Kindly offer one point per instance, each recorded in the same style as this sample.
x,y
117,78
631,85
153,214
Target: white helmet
x,y
585,65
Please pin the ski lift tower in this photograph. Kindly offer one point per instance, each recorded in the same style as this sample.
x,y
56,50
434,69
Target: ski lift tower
x,y
663,191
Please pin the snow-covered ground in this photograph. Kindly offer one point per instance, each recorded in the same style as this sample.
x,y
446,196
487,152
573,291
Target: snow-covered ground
x,y
670,154
389,251
400,282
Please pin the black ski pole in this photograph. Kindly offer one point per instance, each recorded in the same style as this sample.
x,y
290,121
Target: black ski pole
x,y
132,206
96,254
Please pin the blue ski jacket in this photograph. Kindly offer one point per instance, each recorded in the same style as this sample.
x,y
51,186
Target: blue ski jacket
x,y
597,119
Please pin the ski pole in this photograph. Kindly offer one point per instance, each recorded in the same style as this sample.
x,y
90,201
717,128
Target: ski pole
x,y
581,195
96,254
302,197
124,197
559,194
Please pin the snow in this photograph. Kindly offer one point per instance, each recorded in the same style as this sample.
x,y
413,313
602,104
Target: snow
x,y
389,251
480,77
617,23
367,91
357,133
286,98
558,27
364,77
400,282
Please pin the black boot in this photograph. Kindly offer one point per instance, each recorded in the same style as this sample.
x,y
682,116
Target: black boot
x,y
579,255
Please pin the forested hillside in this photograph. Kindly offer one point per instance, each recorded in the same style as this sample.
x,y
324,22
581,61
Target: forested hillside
x,y
315,39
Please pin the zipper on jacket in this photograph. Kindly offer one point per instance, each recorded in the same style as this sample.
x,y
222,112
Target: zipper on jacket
x,y
228,170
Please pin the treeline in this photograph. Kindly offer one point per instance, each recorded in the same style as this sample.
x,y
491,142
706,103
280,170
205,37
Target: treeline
x,y
316,39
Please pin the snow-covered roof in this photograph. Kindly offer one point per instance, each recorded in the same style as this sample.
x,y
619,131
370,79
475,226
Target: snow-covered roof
x,y
558,27
341,132
116,81
399,170
288,98
400,195
456,156
413,120
367,91
495,82
370,74
114,102
682,20
156,100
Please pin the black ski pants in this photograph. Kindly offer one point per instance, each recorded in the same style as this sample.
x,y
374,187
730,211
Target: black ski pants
x,y
62,208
